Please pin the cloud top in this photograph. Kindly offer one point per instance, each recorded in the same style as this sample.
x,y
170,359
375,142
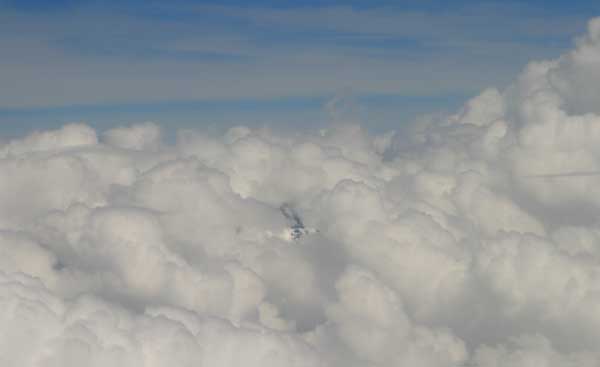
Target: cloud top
x,y
468,240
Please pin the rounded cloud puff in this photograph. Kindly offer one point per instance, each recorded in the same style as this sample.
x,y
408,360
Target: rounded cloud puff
x,y
471,240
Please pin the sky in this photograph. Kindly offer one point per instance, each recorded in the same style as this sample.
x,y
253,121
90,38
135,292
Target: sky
x,y
276,63
282,185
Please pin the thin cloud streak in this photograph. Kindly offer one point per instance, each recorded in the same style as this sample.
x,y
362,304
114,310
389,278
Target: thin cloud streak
x,y
565,174
96,55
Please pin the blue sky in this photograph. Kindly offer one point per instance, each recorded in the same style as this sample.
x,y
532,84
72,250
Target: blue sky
x,y
217,64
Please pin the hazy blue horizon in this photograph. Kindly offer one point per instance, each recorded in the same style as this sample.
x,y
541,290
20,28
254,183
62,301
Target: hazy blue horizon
x,y
276,63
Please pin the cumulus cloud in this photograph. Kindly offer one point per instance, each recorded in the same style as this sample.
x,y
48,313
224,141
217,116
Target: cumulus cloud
x,y
470,240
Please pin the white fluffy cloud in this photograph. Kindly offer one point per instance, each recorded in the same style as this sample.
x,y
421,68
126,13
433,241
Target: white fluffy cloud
x,y
471,240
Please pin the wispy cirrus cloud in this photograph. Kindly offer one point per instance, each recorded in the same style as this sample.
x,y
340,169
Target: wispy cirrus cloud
x,y
89,54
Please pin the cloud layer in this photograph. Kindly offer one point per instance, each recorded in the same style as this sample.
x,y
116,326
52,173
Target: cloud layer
x,y
470,240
